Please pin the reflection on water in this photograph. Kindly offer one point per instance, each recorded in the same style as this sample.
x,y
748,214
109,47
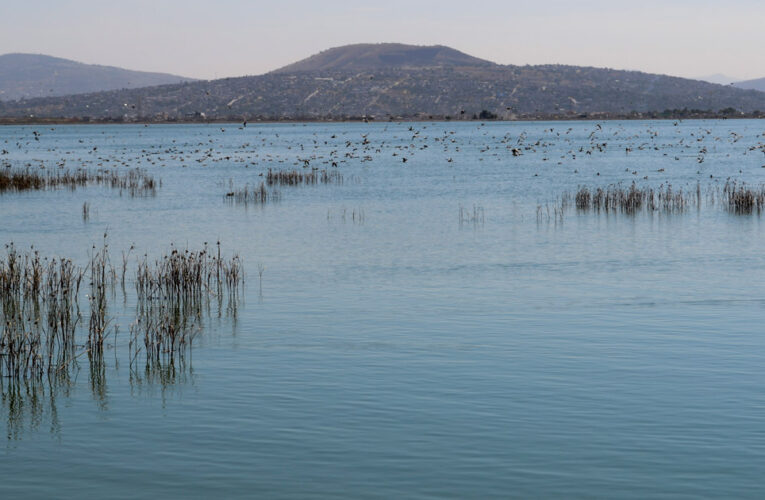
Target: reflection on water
x,y
44,339
162,375
32,402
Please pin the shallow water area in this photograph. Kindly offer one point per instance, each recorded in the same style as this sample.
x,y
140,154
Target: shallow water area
x,y
426,328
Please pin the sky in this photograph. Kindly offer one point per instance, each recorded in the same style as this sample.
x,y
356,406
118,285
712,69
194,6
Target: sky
x,y
215,39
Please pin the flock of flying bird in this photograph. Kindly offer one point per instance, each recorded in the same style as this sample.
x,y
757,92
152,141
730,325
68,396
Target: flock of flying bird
x,y
325,146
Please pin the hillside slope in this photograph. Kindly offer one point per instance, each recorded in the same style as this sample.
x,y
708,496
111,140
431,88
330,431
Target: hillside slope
x,y
757,84
24,76
454,91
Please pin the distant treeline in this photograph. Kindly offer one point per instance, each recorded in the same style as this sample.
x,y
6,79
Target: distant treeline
x,y
484,115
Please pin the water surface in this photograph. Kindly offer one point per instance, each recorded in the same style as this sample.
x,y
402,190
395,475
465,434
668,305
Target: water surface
x,y
412,353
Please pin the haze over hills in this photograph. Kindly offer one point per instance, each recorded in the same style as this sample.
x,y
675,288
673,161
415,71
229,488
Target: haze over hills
x,y
24,76
719,79
393,81
756,84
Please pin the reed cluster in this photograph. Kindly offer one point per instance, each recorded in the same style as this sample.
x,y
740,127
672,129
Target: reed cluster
x,y
136,181
259,195
187,275
742,199
39,313
299,177
172,293
737,198
102,280
41,327
617,198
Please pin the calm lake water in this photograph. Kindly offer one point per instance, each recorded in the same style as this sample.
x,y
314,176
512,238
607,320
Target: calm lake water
x,y
394,347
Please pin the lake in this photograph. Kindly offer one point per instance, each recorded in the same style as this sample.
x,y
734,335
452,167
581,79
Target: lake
x,y
435,320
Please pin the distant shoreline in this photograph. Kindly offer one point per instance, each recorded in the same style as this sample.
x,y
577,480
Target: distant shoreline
x,y
394,119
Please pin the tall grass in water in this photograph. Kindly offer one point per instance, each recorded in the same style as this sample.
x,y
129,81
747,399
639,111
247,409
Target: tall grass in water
x,y
39,313
259,195
102,279
136,182
43,337
298,177
172,294
741,199
737,198
40,317
631,200
475,216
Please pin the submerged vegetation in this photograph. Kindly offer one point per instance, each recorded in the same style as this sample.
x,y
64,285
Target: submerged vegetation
x,y
476,216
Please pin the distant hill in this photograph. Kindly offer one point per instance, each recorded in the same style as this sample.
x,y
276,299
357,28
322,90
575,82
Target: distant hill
x,y
401,82
24,76
383,56
758,84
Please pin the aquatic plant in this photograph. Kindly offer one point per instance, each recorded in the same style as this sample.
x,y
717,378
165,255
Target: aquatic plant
x,y
736,198
259,195
298,177
136,181
742,199
475,216
40,315
172,293
632,199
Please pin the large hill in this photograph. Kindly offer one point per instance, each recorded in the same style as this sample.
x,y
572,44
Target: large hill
x,y
24,76
382,56
399,82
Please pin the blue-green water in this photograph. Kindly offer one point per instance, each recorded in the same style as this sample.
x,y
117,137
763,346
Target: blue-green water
x,y
412,353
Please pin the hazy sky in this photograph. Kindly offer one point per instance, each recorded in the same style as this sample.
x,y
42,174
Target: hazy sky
x,y
209,39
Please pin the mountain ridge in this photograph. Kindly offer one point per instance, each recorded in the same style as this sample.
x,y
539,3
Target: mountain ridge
x,y
462,88
27,76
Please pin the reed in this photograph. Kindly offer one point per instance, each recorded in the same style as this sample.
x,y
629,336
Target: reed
x,y
44,340
40,319
299,177
102,279
259,195
632,199
475,216
173,292
136,182
742,199
185,274
737,198
39,313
